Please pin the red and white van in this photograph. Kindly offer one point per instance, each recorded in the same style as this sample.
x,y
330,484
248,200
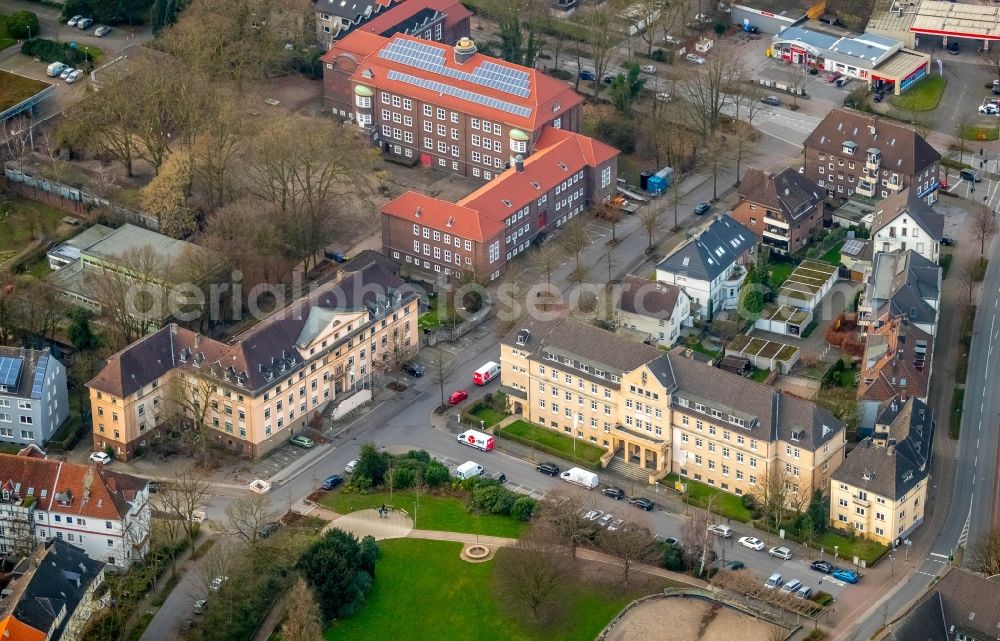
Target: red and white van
x,y
486,373
475,439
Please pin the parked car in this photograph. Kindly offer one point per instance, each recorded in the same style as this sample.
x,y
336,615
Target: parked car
x,y
696,59
848,576
349,468
153,487
773,581
670,40
414,369
947,241
878,96
614,492
65,72
593,515
732,566
102,31
718,529
648,69
668,540
843,80
616,525
199,606
457,397
72,21
217,582
701,209
774,101
74,75
499,477
662,97
548,468
805,592
302,441
332,481
822,566
953,47
971,175
587,75
608,79
606,520
642,503
791,586
833,75
268,529
989,109
83,24
780,552
751,542
100,457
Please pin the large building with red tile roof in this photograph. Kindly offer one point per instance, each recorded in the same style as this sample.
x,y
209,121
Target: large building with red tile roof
x,y
252,394
563,174
104,512
446,107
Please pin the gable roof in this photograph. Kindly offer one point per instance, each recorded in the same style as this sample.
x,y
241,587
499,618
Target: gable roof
x,y
906,202
788,191
353,10
925,622
962,599
896,362
712,251
458,219
387,22
903,149
647,298
896,458
902,283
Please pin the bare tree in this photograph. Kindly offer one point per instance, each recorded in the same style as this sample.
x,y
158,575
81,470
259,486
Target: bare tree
x,y
216,149
599,24
547,258
986,553
575,240
984,225
779,494
706,88
186,494
675,195
748,106
189,396
440,368
303,619
652,223
991,58
563,511
533,572
132,295
695,537
716,152
630,544
246,516
651,14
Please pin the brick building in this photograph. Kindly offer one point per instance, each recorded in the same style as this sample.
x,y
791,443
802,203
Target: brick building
x,y
560,176
451,108
850,152
783,209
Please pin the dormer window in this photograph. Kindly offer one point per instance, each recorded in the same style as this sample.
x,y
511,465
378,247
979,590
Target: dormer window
x,y
849,147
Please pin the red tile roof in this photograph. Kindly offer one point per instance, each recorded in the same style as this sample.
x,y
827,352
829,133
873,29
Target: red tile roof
x,y
12,629
454,9
891,357
557,154
96,492
547,96
434,213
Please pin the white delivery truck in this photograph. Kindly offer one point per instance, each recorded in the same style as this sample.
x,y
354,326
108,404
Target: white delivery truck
x,y
486,373
580,477
476,439
467,470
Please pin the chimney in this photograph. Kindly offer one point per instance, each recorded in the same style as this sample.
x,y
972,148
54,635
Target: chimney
x,y
519,163
464,50
419,211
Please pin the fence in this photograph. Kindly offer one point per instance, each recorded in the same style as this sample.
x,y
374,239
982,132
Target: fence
x,y
458,331
70,199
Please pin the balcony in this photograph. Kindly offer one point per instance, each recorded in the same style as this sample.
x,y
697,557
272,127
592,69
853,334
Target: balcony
x,y
735,278
776,232
860,501
866,188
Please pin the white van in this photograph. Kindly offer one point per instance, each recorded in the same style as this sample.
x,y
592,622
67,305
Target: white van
x,y
580,477
468,470
476,439
55,69
486,373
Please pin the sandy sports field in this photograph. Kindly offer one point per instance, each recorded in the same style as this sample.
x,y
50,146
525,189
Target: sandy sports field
x,y
689,619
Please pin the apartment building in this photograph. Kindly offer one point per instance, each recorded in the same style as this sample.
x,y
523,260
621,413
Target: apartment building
x,y
785,209
665,412
255,392
103,512
559,178
851,152
451,108
897,363
652,311
33,397
903,222
881,489
437,20
52,594
901,283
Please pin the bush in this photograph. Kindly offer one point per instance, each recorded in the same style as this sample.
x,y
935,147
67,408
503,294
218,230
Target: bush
x,y
673,559
403,478
659,55
523,508
436,474
340,569
748,501
22,24
493,498
47,50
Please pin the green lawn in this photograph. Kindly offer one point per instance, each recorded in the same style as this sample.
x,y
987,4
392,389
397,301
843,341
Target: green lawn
x,y
18,218
423,591
833,255
923,96
725,504
780,273
438,314
848,548
433,513
760,374
556,443
975,132
699,347
489,416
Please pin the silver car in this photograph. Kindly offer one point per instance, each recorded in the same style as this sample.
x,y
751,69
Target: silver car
x,y
102,31
65,72
696,59
74,76
72,22
85,23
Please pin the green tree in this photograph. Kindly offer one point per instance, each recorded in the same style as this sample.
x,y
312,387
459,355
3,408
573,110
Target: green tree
x,y
22,25
819,512
626,88
371,468
340,570
80,333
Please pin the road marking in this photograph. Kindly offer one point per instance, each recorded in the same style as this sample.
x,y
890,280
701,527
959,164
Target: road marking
x,y
940,556
926,573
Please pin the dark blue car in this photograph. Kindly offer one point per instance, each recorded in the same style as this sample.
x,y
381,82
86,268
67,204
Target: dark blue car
x,y
587,75
332,481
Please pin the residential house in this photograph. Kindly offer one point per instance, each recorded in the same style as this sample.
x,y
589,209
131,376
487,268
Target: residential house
x,y
881,489
33,397
856,256
710,267
961,606
903,221
103,512
655,311
52,594
564,174
437,20
451,108
785,209
336,18
266,384
852,152
657,412
897,363
901,284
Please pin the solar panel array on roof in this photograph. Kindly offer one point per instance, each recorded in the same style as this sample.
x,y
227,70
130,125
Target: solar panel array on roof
x,y
37,384
10,369
853,247
464,94
430,58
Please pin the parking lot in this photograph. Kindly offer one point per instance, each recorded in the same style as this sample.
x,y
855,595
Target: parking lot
x,y
277,460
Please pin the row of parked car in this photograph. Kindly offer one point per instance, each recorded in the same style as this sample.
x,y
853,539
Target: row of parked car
x,y
81,22
65,72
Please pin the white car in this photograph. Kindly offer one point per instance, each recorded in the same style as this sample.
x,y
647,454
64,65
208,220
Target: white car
x,y
662,97
65,72
100,457
217,583
72,21
75,75
648,68
989,109
670,40
353,463
102,31
696,59
780,552
721,530
752,543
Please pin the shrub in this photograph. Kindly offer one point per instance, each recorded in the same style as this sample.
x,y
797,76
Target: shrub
x,y
47,50
659,55
436,474
523,508
403,477
673,559
22,24
340,569
493,498
747,500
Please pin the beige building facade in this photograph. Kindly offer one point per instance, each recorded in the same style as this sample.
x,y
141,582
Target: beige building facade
x,y
665,412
